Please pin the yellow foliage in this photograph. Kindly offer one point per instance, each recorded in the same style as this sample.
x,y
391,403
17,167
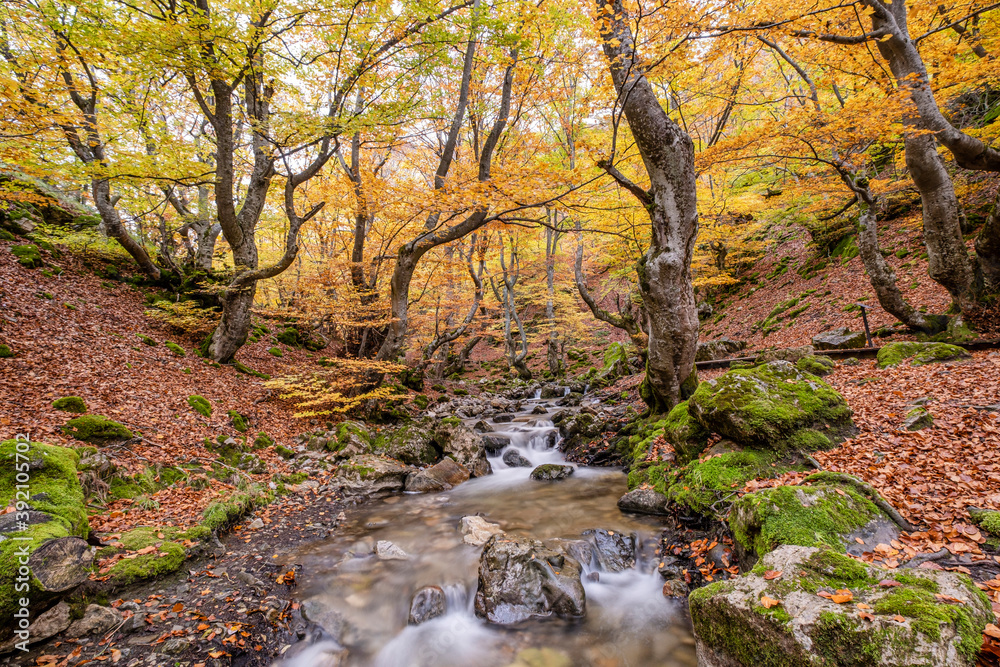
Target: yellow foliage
x,y
340,386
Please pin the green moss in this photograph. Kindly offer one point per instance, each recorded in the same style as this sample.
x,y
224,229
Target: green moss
x,y
238,421
810,516
894,354
27,255
421,401
461,392
709,486
929,615
146,340
200,405
683,431
96,429
765,405
284,452
289,336
988,520
246,370
836,570
52,488
451,421
5,352
6,236
816,365
70,404
220,514
148,566
845,642
175,348
262,440
276,352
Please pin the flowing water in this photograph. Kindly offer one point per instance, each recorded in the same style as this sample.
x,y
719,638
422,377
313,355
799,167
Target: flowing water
x,y
365,601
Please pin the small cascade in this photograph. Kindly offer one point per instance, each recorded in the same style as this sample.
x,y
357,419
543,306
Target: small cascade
x,y
628,621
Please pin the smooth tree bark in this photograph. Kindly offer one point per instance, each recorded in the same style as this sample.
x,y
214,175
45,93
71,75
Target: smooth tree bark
x,y
671,202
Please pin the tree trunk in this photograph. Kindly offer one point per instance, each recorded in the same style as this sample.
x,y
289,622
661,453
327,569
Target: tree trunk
x,y
237,301
671,202
988,249
948,259
552,351
113,227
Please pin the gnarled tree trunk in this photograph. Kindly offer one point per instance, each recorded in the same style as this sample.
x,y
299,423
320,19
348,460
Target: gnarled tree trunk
x,y
665,271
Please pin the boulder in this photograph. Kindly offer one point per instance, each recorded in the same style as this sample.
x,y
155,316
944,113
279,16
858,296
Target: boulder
x,y
47,624
915,617
465,446
615,550
817,365
495,442
409,444
723,348
551,471
97,621
791,354
552,391
774,406
503,418
439,477
385,550
839,339
482,427
514,459
234,453
349,439
367,473
918,419
823,514
521,578
50,528
427,603
476,530
919,354
643,501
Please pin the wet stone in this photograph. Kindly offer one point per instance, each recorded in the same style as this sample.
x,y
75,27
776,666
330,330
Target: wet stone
x,y
427,603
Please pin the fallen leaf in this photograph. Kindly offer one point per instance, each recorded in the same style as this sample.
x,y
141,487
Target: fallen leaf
x,y
992,630
767,602
772,574
843,595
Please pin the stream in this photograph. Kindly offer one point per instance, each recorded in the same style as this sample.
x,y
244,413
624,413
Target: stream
x,y
365,601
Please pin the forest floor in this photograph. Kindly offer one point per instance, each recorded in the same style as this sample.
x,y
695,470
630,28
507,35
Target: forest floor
x,y
75,334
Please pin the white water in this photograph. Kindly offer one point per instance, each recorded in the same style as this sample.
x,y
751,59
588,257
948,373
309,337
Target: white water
x,y
365,602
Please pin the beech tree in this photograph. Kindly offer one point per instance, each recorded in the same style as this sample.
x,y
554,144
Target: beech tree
x,y
671,203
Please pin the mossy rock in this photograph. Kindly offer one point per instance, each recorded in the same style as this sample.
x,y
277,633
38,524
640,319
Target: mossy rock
x,y
276,352
988,520
921,354
409,444
70,404
246,370
284,452
685,433
222,513
421,401
263,441
96,429
200,405
175,348
815,364
907,623
239,422
169,554
6,236
55,509
232,453
808,516
27,255
6,352
709,486
767,406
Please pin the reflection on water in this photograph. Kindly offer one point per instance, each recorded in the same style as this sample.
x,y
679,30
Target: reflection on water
x,y
365,601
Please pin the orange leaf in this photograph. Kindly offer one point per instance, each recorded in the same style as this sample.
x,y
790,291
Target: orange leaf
x,y
767,602
843,595
992,631
177,607
862,605
865,616
772,574
899,619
